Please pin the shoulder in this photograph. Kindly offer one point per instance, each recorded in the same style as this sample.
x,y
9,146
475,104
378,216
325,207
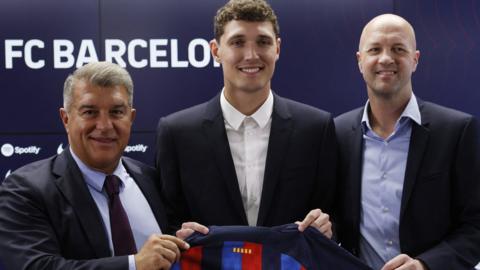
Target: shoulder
x,y
140,167
349,119
300,111
450,125
196,113
435,113
36,171
188,113
33,181
188,118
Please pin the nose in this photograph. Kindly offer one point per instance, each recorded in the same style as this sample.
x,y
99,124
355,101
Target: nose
x,y
385,58
104,122
251,52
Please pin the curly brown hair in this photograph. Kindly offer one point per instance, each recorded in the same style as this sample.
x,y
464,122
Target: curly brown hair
x,y
245,10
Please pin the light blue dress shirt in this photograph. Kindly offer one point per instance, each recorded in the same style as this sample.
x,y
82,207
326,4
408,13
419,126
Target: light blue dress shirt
x,y
140,215
383,172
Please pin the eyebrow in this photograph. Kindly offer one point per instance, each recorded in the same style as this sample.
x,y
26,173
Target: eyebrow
x,y
87,107
243,36
119,106
236,36
266,37
369,45
379,43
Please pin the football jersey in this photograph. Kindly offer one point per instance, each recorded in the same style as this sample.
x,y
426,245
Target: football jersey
x,y
261,248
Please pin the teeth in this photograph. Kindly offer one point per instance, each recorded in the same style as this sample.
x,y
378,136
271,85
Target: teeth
x,y
250,70
387,72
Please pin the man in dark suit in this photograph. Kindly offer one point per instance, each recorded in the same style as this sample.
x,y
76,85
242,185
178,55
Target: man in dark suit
x,y
409,170
247,156
57,214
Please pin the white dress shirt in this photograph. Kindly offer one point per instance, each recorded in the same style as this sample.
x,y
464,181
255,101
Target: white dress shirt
x,y
248,139
140,215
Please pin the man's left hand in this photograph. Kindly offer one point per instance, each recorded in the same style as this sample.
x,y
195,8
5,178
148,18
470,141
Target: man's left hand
x,y
188,228
319,220
404,262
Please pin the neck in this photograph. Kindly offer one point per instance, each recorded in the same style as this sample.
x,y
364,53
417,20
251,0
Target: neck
x,y
246,102
385,112
106,168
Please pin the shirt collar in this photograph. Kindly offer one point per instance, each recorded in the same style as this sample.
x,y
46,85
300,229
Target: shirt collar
x,y
411,111
234,118
96,179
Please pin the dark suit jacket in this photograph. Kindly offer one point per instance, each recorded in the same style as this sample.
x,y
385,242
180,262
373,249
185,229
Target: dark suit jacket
x,y
440,207
198,173
49,220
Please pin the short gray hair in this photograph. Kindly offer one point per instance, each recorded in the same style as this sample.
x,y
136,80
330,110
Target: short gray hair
x,y
102,74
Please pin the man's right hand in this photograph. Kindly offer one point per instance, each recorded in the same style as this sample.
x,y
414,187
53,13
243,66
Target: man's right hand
x,y
159,252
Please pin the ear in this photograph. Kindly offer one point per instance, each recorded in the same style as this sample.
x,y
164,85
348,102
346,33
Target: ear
x,y
278,48
214,46
417,57
133,114
359,61
64,117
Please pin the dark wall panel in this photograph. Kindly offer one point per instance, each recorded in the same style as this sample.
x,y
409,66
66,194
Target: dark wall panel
x,y
448,37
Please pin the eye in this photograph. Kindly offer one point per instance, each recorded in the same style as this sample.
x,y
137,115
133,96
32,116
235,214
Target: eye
x,y
399,50
265,42
117,112
88,113
236,42
373,50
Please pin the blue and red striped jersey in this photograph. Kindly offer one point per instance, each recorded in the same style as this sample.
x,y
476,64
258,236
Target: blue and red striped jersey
x,y
261,248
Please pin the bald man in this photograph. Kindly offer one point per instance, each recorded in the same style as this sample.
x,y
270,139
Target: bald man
x,y
409,169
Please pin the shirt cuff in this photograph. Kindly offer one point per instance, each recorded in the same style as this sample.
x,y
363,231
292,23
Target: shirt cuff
x,y
131,262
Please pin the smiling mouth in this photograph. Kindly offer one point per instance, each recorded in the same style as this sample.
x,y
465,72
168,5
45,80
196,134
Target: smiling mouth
x,y
251,70
386,72
103,140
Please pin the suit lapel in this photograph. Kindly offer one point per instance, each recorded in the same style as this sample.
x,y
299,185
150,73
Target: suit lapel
x,y
150,190
75,190
277,146
355,162
214,129
418,145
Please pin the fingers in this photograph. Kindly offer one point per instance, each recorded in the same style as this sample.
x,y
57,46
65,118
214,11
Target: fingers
x,y
195,226
184,233
326,229
162,247
395,262
319,220
418,265
177,241
188,228
309,219
159,252
403,262
168,250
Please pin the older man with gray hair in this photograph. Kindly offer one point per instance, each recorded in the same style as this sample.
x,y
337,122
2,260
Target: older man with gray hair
x,y
88,207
